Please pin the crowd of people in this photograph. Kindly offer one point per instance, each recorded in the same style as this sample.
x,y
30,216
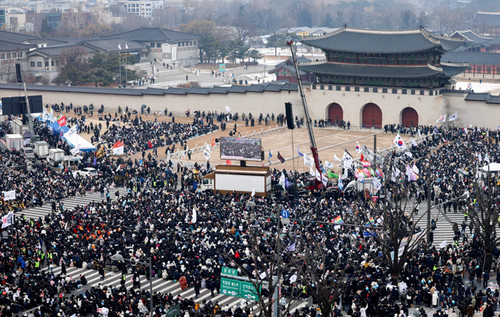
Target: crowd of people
x,y
155,220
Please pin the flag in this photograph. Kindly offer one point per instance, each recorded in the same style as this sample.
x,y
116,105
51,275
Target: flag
x,y
415,169
308,160
228,109
291,247
118,148
435,130
410,155
340,185
281,158
282,180
213,142
298,151
101,152
270,155
150,145
498,127
206,151
376,185
119,46
324,179
338,220
486,158
311,171
9,195
413,142
347,160
195,216
441,119
398,141
253,191
8,220
358,147
453,116
62,121
173,311
332,175
329,165
345,174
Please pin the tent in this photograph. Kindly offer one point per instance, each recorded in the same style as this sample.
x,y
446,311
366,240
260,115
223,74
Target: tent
x,y
76,141
56,129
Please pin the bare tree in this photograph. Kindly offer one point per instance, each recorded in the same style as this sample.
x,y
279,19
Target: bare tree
x,y
484,212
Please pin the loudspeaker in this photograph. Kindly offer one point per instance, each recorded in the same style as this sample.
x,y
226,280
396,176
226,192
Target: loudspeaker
x,y
289,115
18,73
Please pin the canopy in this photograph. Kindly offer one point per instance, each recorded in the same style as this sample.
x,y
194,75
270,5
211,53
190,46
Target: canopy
x,y
56,128
76,141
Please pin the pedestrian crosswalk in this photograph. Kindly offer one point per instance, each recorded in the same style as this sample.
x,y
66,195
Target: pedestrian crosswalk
x,y
69,203
158,285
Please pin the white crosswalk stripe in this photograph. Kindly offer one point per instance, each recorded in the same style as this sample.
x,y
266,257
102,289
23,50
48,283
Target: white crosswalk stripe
x,y
113,279
69,203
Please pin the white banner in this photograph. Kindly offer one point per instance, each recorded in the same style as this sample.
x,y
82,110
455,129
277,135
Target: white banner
x,y
8,220
9,195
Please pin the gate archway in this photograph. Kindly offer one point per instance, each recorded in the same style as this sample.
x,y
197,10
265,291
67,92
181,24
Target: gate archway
x,y
371,116
409,117
335,114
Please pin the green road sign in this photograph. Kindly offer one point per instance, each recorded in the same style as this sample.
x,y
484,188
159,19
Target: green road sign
x,y
229,271
238,288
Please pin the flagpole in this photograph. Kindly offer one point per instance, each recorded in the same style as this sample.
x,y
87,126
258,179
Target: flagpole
x,y
293,156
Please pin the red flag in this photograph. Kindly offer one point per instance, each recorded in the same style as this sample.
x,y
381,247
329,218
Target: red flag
x,y
150,145
118,144
213,142
362,157
228,162
281,158
62,121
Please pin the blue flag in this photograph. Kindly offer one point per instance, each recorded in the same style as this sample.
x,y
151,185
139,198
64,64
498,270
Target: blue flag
x,y
436,130
341,187
270,155
298,151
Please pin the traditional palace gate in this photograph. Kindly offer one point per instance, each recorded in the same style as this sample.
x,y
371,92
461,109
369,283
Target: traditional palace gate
x,y
372,116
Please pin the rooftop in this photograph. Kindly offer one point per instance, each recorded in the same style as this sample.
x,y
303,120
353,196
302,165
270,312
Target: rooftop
x,y
382,42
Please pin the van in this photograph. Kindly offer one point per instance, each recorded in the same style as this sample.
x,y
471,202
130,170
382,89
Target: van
x,y
28,152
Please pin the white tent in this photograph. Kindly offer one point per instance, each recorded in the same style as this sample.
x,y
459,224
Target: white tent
x,y
78,142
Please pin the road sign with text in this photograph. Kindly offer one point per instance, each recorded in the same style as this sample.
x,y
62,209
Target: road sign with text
x,y
237,288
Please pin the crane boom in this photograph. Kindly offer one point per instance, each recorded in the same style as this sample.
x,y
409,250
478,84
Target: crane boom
x,y
312,141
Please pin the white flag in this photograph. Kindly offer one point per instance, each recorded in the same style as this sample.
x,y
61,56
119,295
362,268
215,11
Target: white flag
x,y
453,116
413,142
442,118
253,191
9,195
228,109
335,157
195,216
207,151
311,171
118,150
308,160
126,46
328,165
398,141
8,220
347,160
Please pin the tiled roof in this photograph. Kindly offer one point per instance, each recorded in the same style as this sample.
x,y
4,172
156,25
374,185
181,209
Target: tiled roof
x,y
382,42
484,96
371,70
159,91
144,34
471,58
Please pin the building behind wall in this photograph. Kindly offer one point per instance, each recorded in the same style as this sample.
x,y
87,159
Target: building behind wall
x,y
387,62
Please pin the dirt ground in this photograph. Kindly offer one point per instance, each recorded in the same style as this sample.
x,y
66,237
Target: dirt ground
x,y
330,141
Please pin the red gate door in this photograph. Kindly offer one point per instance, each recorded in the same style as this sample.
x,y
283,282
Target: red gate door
x,y
409,117
372,116
335,113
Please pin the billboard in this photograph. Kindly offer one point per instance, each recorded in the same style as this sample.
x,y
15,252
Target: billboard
x,y
17,105
245,149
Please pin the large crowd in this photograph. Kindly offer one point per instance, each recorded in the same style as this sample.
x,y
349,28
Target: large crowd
x,y
154,220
